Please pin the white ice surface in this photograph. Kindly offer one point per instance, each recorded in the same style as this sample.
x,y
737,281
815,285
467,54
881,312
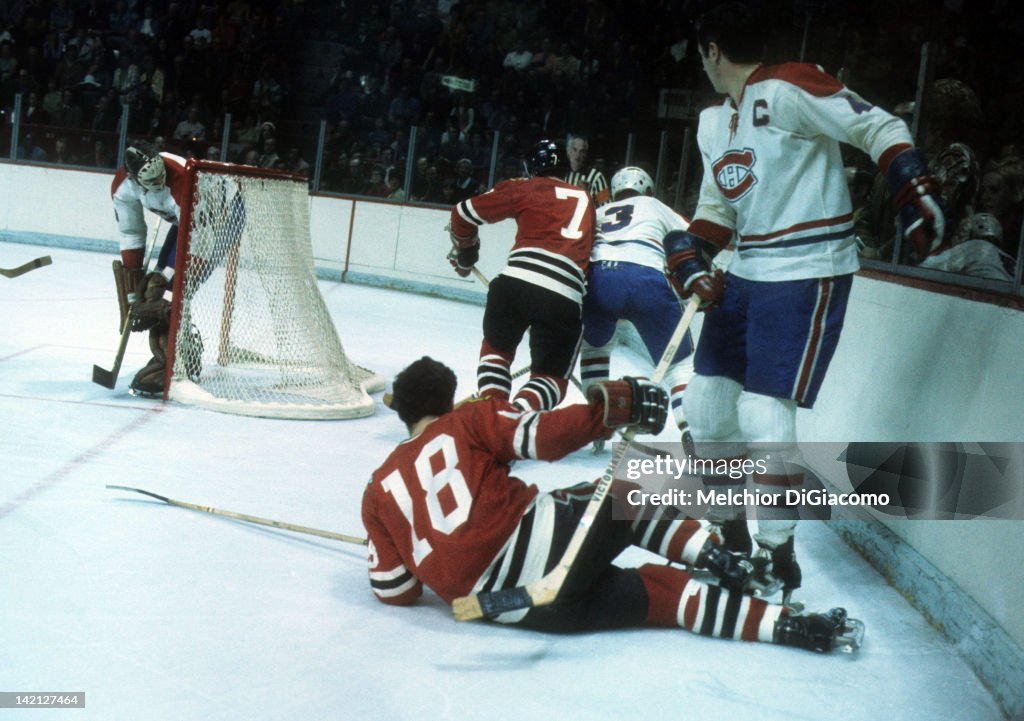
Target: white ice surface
x,y
159,613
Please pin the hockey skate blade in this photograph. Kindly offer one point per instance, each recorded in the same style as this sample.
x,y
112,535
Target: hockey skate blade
x,y
852,636
145,394
766,587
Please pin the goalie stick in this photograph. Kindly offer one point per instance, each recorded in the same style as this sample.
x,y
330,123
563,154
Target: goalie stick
x,y
246,517
29,266
544,591
108,378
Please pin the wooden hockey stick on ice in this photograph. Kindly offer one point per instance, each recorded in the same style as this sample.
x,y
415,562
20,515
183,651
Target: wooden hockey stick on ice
x,y
544,591
29,266
108,378
247,518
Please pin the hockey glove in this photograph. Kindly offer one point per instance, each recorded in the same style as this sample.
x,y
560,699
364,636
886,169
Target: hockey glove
x,y
689,264
463,259
916,199
631,402
151,309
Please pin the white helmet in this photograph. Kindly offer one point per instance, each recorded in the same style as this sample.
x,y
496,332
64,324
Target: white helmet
x,y
632,178
980,226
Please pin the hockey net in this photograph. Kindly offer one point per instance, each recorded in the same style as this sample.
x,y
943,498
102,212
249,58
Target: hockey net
x,y
250,332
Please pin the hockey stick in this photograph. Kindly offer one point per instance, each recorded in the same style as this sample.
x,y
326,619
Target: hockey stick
x,y
489,604
29,266
247,518
108,378
481,277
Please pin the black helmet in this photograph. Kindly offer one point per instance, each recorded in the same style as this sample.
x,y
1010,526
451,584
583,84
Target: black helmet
x,y
545,159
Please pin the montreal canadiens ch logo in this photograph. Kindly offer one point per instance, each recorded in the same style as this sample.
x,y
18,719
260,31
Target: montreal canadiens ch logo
x,y
734,173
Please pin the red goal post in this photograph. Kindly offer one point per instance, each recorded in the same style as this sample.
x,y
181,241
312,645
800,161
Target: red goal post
x,y
250,332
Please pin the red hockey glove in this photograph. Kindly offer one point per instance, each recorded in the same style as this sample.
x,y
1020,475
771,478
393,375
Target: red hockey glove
x,y
689,264
631,401
916,198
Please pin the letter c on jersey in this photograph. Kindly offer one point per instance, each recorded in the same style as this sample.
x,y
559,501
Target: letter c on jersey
x,y
734,173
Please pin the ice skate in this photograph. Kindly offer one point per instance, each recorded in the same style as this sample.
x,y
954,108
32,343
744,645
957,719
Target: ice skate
x,y
777,569
727,569
821,632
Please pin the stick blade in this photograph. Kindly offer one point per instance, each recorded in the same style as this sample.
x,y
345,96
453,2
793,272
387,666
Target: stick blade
x,y
103,377
29,266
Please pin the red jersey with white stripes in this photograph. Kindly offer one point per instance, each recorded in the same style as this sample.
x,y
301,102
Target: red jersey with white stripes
x,y
444,503
555,230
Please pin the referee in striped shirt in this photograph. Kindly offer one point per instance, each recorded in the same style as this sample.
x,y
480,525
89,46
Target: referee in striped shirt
x,y
580,175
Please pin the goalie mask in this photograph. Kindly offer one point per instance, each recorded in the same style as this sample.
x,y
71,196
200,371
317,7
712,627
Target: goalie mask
x,y
545,159
145,169
632,178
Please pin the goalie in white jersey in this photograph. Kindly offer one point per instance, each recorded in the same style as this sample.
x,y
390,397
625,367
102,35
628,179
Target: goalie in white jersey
x,y
626,281
774,183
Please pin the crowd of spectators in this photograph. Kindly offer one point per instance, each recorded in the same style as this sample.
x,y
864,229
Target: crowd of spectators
x,y
474,82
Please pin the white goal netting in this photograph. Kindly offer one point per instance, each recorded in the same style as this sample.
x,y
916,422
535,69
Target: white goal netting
x,y
251,332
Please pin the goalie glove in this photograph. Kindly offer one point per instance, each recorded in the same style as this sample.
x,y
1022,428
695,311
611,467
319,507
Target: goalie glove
x,y
631,402
464,258
918,204
151,309
689,264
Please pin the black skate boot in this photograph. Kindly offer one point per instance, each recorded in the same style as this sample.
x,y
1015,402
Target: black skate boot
x,y
732,570
777,567
735,535
821,632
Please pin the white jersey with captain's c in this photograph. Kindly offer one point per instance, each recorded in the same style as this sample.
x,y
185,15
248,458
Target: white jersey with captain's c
x,y
773,171
631,231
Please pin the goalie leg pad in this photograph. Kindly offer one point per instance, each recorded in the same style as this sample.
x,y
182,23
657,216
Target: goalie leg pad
x,y
149,381
126,283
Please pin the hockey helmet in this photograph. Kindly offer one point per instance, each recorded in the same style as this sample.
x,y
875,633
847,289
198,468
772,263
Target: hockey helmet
x,y
545,159
632,178
147,169
980,226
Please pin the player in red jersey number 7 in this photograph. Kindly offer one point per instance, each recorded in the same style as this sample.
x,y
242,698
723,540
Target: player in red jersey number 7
x,y
443,511
542,286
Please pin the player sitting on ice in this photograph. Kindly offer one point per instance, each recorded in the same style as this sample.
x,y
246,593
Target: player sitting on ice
x,y
444,511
